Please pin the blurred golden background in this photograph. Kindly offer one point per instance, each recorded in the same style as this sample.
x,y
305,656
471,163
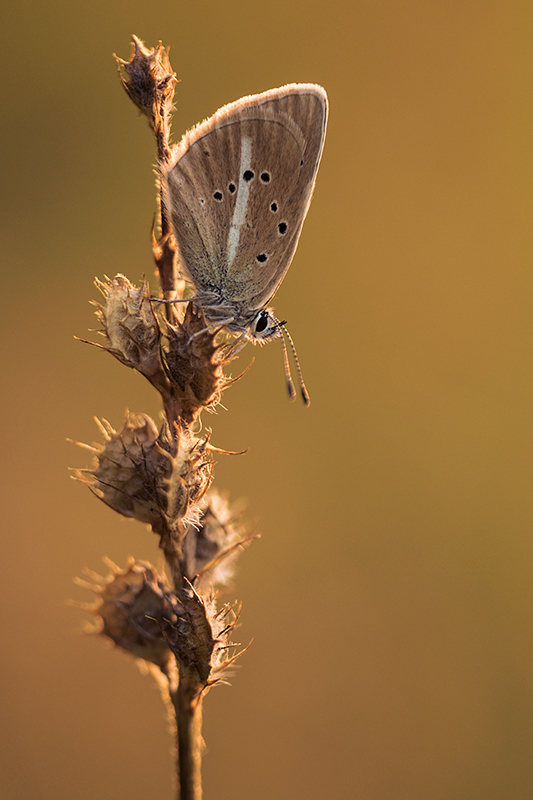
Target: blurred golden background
x,y
390,597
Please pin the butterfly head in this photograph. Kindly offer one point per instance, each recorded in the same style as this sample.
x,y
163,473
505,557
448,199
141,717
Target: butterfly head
x,y
264,327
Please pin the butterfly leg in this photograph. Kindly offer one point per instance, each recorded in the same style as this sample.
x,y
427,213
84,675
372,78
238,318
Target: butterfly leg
x,y
238,344
213,325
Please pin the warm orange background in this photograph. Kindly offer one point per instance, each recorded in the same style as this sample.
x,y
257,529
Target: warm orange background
x,y
391,596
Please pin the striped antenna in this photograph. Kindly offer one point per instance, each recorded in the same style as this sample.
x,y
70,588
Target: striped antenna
x,y
288,376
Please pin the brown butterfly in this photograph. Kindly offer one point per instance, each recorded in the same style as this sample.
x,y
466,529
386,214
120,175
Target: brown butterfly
x,y
237,190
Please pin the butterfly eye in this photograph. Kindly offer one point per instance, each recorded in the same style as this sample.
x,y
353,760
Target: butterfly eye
x,y
262,322
265,325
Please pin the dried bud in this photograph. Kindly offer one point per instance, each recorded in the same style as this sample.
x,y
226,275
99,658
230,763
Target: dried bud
x,y
212,547
139,612
191,638
189,479
147,475
135,609
131,326
194,363
200,637
150,85
133,470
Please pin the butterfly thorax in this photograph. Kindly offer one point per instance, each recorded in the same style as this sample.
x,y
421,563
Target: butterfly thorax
x,y
258,324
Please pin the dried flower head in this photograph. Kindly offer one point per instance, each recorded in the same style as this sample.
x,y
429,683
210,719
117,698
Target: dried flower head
x,y
211,548
130,325
191,637
132,470
200,637
150,475
195,363
134,607
190,477
149,83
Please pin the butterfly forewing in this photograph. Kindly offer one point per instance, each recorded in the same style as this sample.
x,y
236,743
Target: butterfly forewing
x,y
238,189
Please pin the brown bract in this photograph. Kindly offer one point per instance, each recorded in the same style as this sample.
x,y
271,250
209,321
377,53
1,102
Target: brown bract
x,y
195,362
130,326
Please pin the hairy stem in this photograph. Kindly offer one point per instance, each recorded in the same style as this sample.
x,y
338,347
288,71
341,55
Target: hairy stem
x,y
187,701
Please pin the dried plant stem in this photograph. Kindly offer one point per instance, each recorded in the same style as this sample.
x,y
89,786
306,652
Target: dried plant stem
x,y
187,702
162,477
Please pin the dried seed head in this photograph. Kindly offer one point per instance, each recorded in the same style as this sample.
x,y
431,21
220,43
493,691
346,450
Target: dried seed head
x,y
149,81
212,547
200,636
132,471
130,326
194,362
189,479
150,476
135,609
138,611
190,638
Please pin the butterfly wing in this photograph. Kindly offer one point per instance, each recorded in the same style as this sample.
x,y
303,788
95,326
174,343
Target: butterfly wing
x,y
238,188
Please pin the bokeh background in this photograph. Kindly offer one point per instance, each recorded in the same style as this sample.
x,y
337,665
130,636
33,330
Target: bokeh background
x,y
390,597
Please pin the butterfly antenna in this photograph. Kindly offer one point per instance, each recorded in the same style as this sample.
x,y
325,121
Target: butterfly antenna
x,y
290,385
286,365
